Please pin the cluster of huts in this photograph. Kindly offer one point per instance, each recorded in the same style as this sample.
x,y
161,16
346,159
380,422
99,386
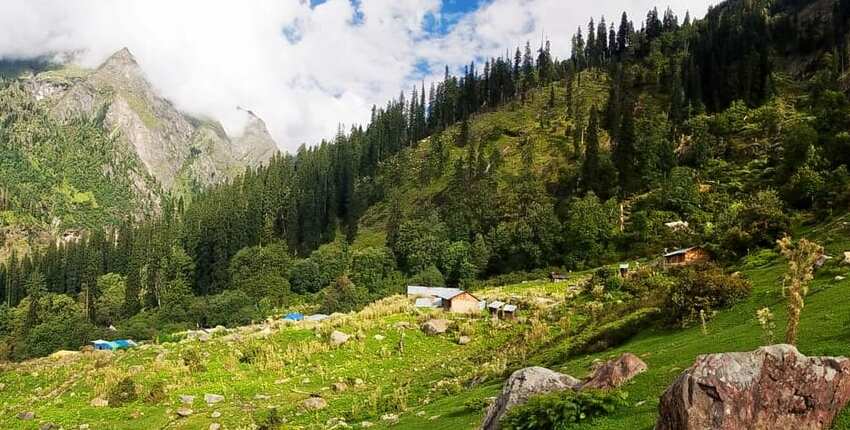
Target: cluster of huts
x,y
458,301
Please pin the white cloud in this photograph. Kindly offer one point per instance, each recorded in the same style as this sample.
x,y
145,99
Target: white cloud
x,y
303,69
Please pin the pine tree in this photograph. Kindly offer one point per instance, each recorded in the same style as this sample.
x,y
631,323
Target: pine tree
x,y
625,151
590,166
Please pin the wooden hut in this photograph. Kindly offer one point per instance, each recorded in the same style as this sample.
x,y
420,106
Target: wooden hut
x,y
679,257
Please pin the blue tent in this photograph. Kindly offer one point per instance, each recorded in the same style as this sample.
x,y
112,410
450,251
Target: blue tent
x,y
294,316
101,344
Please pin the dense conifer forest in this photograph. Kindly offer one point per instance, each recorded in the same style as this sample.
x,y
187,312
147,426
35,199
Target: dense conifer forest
x,y
733,123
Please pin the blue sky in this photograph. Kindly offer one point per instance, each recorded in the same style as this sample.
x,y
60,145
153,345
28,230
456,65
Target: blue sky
x,y
305,67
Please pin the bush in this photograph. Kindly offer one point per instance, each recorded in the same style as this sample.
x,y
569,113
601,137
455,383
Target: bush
x,y
613,333
646,281
561,409
229,308
121,393
192,360
268,419
705,288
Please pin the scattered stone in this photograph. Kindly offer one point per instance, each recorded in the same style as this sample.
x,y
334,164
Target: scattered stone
x,y
338,338
212,399
615,373
846,257
184,412
360,335
436,326
390,418
366,424
339,386
305,381
187,399
99,403
839,278
420,414
48,426
261,397
2,387
26,416
401,325
463,340
358,381
84,427
215,426
522,385
336,423
314,403
379,337
215,414
771,387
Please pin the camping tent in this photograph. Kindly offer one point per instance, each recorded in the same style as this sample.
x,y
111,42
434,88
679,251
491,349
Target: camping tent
x,y
294,316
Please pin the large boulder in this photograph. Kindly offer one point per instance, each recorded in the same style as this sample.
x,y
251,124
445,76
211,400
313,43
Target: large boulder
x,y
617,372
436,326
522,385
338,338
774,387
314,403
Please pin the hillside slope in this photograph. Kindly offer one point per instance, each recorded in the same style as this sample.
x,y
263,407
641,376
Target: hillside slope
x,y
391,371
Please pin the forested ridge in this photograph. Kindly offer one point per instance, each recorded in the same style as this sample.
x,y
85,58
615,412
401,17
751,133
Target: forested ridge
x,y
525,163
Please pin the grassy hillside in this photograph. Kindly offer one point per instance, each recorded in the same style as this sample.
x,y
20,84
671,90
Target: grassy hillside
x,y
394,371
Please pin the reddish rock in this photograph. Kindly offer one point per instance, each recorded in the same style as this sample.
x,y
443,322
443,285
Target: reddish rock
x,y
774,387
616,372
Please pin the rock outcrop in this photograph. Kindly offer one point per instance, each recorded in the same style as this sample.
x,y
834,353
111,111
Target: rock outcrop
x,y
615,373
435,326
774,387
522,385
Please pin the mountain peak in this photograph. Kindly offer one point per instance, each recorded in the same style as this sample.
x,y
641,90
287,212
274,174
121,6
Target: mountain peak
x,y
122,57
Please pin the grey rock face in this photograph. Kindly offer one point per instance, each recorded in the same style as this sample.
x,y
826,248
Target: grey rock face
x,y
522,385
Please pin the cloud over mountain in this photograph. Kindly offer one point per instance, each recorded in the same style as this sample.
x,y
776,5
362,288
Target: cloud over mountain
x,y
304,68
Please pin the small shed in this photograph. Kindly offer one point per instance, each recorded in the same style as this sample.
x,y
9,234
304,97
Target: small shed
x,y
509,312
694,254
494,307
461,302
624,269
557,277
294,316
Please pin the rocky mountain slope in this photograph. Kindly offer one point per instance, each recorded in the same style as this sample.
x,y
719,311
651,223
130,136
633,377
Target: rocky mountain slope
x,y
174,147
84,148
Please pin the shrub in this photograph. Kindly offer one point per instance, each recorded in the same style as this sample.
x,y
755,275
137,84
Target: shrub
x,y
561,409
705,288
192,360
156,393
268,419
229,308
646,281
613,333
121,393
